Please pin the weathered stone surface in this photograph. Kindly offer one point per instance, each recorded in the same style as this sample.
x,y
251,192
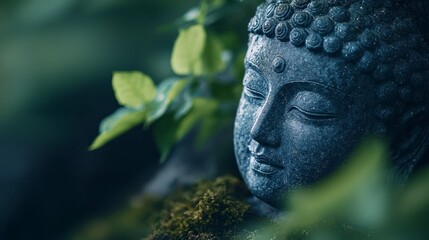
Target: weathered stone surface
x,y
320,77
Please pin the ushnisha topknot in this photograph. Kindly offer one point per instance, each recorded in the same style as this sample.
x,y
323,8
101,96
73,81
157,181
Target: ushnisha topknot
x,y
377,36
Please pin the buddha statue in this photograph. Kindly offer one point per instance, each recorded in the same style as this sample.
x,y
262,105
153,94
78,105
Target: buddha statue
x,y
321,75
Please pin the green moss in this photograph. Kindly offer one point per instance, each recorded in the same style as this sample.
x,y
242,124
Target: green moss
x,y
209,210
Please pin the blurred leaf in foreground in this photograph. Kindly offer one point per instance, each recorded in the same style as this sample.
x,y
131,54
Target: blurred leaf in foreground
x,y
410,215
357,195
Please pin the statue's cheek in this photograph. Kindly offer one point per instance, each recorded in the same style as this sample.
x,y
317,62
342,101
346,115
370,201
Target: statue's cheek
x,y
243,123
246,115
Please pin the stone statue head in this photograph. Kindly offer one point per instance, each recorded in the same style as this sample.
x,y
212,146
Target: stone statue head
x,y
321,75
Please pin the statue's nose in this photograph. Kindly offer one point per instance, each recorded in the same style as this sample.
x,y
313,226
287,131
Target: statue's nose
x,y
266,128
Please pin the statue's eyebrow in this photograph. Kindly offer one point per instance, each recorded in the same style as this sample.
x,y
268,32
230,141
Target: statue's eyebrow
x,y
254,67
321,86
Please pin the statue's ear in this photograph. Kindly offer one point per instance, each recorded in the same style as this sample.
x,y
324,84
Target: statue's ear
x,y
410,143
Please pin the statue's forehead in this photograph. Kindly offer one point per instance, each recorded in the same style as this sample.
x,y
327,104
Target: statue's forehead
x,y
301,65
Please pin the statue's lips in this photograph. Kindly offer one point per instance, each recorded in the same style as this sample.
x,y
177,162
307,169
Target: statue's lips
x,y
262,165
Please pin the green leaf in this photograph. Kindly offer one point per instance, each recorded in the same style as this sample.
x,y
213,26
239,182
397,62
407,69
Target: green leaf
x,y
116,124
356,192
201,108
211,61
203,12
167,92
185,107
414,200
356,196
133,89
168,130
188,49
164,134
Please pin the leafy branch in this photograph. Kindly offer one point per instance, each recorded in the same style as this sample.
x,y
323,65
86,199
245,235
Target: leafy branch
x,y
204,93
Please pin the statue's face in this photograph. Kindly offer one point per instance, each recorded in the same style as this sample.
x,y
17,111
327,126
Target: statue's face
x,y
301,114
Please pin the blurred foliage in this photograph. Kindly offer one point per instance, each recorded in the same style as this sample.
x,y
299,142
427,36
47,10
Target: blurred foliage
x,y
137,219
204,93
54,48
356,202
55,66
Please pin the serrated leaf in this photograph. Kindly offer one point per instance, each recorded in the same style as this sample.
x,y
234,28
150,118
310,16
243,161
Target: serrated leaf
x,y
133,89
167,92
188,49
116,124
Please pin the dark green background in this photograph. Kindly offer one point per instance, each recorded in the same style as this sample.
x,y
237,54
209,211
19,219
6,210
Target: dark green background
x,y
56,63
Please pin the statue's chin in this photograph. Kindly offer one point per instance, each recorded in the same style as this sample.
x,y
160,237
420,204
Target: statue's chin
x,y
272,200
265,188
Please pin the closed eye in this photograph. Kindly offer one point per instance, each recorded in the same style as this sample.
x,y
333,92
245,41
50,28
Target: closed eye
x,y
313,115
253,94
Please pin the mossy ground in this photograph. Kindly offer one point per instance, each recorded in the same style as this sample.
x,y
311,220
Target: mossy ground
x,y
207,210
